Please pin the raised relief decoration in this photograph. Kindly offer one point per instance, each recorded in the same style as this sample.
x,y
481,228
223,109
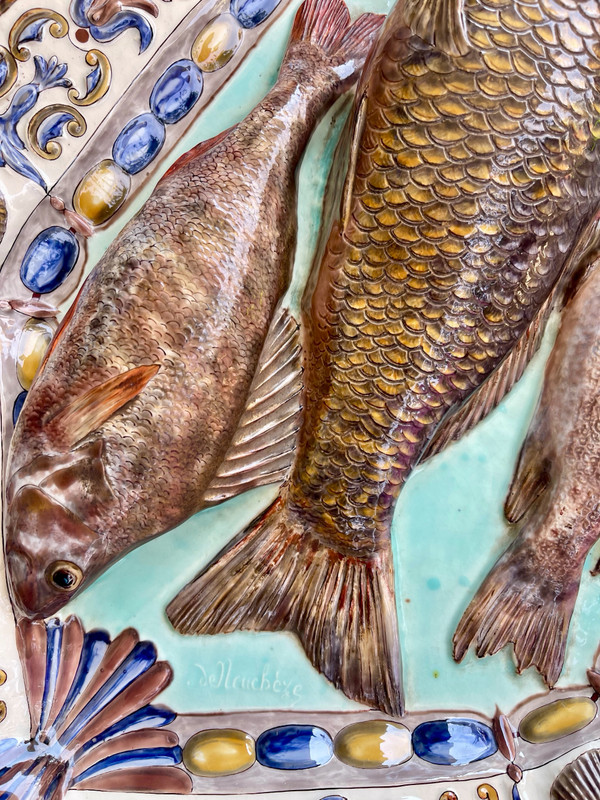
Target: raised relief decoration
x,y
300,352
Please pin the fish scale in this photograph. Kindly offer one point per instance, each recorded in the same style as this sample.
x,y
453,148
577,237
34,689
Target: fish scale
x,y
529,595
137,417
460,275
472,187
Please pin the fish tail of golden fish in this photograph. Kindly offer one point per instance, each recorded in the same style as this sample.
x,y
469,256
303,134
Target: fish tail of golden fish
x,y
280,575
344,46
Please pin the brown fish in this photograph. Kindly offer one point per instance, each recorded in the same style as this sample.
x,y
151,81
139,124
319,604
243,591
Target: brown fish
x,y
473,173
528,597
141,414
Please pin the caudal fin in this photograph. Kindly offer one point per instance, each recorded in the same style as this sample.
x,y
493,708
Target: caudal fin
x,y
516,604
278,576
326,24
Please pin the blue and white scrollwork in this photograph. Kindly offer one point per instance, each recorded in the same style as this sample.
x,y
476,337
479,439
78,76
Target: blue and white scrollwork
x,y
48,75
48,124
120,22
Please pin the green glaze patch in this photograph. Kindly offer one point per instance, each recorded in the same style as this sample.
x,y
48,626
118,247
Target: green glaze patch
x,y
449,524
448,528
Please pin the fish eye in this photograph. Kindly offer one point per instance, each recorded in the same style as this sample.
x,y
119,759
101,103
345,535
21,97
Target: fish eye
x,y
64,575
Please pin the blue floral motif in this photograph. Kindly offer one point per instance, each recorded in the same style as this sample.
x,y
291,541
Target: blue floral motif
x,y
3,69
114,27
76,740
48,75
33,32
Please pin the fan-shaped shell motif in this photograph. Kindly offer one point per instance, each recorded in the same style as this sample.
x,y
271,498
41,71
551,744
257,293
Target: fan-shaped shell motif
x,y
92,722
579,780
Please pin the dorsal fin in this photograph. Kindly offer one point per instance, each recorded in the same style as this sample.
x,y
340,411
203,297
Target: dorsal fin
x,y
197,151
262,448
495,388
441,23
87,412
59,332
357,131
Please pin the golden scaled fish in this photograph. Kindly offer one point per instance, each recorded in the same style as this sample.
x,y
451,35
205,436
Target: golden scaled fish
x,y
529,596
141,414
473,173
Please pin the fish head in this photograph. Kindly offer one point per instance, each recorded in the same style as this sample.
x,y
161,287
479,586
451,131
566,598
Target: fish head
x,y
48,552
53,535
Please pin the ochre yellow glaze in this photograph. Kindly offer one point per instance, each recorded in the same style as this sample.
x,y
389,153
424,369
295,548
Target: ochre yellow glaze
x,y
558,719
101,191
2,677
372,744
94,58
216,43
2,710
76,126
58,28
219,751
33,343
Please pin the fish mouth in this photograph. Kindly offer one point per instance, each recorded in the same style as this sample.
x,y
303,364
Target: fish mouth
x,y
29,598
24,595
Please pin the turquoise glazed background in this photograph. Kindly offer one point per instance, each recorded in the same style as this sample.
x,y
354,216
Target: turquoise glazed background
x,y
448,528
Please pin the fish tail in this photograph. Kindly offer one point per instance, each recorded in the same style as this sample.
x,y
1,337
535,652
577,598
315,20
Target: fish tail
x,y
345,45
515,603
278,576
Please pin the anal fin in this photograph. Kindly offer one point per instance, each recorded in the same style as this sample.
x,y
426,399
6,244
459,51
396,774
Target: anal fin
x,y
492,391
531,478
262,448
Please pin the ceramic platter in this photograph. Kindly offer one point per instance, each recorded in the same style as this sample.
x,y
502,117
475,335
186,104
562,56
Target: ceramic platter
x,y
97,101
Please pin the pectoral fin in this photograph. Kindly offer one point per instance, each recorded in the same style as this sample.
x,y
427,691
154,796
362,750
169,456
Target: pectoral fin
x,y
87,412
357,132
442,23
262,448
